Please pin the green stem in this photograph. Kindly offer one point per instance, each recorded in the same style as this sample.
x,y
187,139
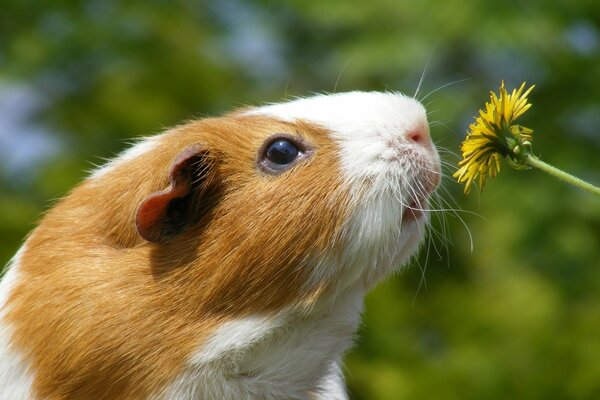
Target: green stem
x,y
560,174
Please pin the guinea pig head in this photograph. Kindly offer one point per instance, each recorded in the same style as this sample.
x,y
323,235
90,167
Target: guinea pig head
x,y
388,167
274,206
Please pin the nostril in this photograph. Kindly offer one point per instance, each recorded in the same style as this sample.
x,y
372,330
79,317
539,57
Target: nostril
x,y
415,136
419,135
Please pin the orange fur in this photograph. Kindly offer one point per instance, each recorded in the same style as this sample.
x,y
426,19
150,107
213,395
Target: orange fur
x,y
101,313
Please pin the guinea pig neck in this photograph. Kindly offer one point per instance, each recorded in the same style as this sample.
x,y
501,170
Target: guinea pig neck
x,y
294,351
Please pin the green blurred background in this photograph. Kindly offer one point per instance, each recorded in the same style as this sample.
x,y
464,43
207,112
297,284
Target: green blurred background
x,y
518,317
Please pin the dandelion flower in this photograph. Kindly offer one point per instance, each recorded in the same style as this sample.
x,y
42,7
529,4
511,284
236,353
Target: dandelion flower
x,y
493,136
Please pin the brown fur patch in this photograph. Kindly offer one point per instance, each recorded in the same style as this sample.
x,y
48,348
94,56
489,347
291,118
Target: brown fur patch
x,y
102,314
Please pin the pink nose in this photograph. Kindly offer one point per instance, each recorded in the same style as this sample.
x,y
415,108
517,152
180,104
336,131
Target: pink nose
x,y
419,136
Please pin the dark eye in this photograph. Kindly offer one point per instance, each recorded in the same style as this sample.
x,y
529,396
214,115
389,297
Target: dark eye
x,y
282,152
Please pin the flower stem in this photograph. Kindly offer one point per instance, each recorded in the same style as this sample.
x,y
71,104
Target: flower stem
x,y
560,174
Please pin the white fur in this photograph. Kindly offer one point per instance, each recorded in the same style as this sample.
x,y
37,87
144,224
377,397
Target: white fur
x,y
332,385
365,124
143,146
283,356
385,170
15,378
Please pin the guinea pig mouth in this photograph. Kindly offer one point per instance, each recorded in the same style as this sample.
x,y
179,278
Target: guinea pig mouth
x,y
415,210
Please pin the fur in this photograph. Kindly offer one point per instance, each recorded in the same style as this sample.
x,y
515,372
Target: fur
x,y
15,377
257,295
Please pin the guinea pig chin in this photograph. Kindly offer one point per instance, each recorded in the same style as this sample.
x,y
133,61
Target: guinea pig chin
x,y
391,211
382,234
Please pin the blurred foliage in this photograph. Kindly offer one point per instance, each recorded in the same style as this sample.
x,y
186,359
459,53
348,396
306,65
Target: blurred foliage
x,y
516,317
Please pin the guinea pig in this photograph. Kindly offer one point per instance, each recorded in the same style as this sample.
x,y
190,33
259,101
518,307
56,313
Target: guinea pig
x,y
226,258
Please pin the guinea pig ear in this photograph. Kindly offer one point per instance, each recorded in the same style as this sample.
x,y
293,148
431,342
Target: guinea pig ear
x,y
164,214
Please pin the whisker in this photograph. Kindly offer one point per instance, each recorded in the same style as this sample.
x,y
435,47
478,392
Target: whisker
x,y
448,151
431,228
337,80
285,91
455,212
452,131
424,72
441,123
430,112
432,233
423,280
444,86
443,218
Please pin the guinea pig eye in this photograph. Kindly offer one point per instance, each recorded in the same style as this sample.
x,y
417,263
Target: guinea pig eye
x,y
280,152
